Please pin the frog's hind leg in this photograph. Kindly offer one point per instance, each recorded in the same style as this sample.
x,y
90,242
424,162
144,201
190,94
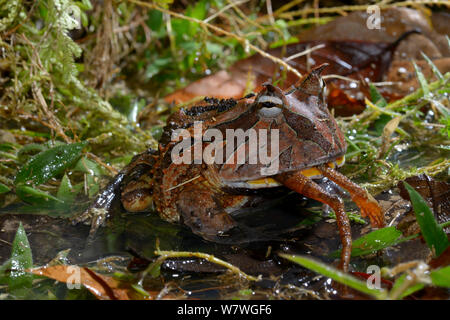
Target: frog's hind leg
x,y
305,186
201,210
368,205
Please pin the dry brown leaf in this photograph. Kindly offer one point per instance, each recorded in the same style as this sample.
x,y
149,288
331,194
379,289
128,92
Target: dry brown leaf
x,y
102,287
386,140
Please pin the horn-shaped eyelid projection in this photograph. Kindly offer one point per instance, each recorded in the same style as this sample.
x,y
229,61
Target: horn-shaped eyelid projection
x,y
311,83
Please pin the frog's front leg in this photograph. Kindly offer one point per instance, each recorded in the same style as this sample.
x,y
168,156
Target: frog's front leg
x,y
305,186
202,211
137,190
368,205
127,182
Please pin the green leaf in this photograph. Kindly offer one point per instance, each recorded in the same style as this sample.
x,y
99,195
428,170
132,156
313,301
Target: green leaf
x,y
441,277
214,48
376,97
4,189
380,123
373,241
156,66
21,259
34,196
433,234
155,19
88,166
336,275
180,28
198,12
67,192
49,163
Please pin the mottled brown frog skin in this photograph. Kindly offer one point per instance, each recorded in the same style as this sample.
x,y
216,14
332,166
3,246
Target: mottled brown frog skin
x,y
204,197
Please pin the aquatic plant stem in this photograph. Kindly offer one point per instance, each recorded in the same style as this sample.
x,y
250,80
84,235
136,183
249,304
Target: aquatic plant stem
x,y
186,254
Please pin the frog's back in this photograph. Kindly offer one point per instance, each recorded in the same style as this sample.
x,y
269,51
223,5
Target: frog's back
x,y
300,131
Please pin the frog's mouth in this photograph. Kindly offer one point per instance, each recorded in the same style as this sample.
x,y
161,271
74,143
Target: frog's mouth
x,y
268,182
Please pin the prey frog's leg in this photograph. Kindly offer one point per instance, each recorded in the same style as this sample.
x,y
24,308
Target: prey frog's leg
x,y
305,186
368,205
99,209
201,210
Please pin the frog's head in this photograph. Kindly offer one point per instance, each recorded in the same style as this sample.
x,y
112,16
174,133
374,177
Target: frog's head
x,y
305,99
307,134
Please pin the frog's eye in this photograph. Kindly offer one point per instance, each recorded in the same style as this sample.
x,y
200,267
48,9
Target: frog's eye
x,y
269,112
270,101
269,106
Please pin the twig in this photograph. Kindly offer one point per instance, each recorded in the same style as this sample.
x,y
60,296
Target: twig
x,y
100,162
287,6
54,122
292,14
228,6
37,92
185,182
270,11
304,52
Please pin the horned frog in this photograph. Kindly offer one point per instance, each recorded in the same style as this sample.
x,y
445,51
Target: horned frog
x,y
204,196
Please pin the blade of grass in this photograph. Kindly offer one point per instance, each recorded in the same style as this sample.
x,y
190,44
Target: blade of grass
x,y
423,82
373,241
433,234
436,71
336,275
3,188
34,196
